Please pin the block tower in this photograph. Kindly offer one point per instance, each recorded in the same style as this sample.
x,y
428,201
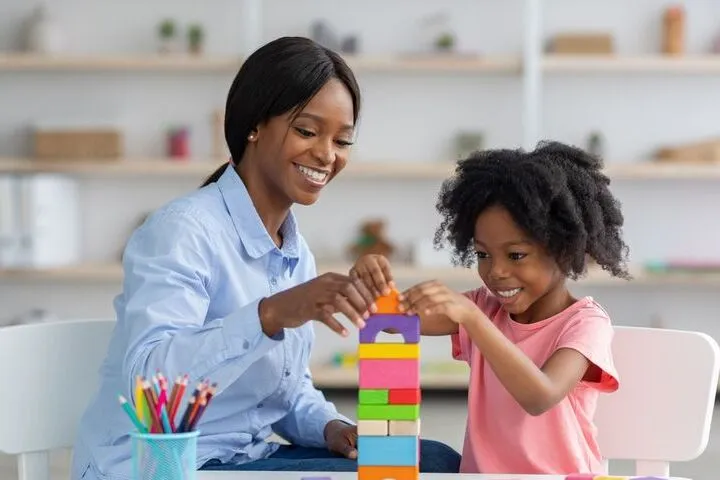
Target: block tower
x,y
388,415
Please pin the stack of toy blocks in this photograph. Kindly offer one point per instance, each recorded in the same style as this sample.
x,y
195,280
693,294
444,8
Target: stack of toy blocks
x,y
389,396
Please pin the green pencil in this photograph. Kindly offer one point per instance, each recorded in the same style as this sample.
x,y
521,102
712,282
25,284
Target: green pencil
x,y
131,413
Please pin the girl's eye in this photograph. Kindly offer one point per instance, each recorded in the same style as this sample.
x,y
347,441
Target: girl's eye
x,y
517,256
344,143
481,255
303,132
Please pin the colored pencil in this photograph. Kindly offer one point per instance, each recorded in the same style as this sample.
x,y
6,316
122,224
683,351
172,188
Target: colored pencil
x,y
131,413
186,416
175,402
173,392
139,399
201,404
204,402
155,420
154,407
199,393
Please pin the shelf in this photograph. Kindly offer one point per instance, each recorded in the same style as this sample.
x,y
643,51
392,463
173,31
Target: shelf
x,y
346,378
230,64
435,63
199,168
704,64
114,62
651,170
112,273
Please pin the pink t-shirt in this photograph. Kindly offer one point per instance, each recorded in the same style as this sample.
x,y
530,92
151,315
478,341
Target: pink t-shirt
x,y
500,437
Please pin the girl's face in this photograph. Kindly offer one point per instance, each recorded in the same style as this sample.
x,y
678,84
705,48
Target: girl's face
x,y
299,155
525,279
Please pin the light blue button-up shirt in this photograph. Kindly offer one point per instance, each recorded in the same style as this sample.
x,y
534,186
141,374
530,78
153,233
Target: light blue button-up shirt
x,y
194,275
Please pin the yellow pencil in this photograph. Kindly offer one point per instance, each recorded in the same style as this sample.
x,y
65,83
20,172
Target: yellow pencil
x,y
139,399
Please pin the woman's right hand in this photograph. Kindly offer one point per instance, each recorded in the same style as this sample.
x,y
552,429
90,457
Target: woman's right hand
x,y
374,271
318,299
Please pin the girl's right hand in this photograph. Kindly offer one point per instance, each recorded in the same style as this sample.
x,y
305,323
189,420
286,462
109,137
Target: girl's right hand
x,y
374,271
318,299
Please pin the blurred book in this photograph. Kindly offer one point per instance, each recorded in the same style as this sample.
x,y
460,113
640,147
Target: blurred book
x,y
39,221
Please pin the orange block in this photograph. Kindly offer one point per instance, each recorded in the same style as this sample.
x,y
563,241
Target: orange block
x,y
388,303
366,472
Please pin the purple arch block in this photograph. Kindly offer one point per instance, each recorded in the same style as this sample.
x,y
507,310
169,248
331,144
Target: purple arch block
x,y
406,325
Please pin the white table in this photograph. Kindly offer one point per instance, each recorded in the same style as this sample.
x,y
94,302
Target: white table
x,y
210,475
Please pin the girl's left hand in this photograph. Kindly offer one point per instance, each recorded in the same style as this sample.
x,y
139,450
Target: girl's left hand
x,y
434,298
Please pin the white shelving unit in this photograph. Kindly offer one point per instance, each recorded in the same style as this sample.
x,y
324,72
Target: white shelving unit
x,y
529,73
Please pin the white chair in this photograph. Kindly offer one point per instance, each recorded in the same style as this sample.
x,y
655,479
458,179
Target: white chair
x,y
48,374
663,409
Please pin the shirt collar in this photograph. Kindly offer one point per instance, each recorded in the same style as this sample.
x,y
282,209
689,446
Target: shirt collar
x,y
247,222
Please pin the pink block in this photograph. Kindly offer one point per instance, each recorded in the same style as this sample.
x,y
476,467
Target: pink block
x,y
389,373
581,476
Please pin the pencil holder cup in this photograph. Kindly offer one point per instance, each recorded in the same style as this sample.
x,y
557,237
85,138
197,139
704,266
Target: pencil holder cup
x,y
164,456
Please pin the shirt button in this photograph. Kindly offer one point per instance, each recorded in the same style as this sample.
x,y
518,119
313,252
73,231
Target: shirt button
x,y
287,373
273,281
246,344
259,405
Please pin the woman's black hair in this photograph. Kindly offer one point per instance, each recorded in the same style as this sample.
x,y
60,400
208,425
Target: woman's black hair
x,y
281,76
556,193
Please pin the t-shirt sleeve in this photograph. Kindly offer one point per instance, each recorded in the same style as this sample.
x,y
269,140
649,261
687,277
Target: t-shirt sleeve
x,y
592,336
462,346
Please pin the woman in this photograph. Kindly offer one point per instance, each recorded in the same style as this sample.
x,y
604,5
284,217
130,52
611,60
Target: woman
x,y
220,284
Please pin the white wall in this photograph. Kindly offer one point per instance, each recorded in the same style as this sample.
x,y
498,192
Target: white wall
x,y
407,117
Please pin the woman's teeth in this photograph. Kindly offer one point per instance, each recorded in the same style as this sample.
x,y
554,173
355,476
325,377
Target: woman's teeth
x,y
316,176
509,293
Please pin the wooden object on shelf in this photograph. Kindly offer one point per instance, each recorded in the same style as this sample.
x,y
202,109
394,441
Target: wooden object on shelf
x,y
582,44
77,144
673,30
218,129
705,151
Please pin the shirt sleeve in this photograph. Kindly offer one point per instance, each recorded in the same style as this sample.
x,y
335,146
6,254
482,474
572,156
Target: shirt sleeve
x,y
592,335
168,265
305,423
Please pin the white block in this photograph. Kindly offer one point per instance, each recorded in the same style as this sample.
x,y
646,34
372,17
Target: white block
x,y
405,427
376,428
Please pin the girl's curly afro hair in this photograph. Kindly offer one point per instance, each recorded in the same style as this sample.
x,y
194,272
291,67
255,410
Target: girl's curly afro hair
x,y
557,194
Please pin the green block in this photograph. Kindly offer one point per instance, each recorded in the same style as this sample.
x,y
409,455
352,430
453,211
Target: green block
x,y
373,397
388,412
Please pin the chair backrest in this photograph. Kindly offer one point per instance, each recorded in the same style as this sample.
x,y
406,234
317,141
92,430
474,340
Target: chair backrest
x,y
48,373
663,409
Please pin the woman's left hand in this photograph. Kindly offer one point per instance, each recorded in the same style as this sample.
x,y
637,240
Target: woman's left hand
x,y
434,298
341,438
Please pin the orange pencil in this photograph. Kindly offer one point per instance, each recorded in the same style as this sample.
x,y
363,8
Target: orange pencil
x,y
200,394
175,402
200,408
204,402
174,390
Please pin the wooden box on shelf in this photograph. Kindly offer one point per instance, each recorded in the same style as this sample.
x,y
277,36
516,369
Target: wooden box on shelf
x,y
707,151
77,144
582,44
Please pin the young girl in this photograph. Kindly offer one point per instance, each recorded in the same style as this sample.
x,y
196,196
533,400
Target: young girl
x,y
539,357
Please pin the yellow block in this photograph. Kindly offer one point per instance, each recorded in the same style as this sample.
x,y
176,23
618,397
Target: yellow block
x,y
389,350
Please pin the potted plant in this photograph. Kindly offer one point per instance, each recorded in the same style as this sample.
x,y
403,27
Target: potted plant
x,y
445,42
167,31
196,35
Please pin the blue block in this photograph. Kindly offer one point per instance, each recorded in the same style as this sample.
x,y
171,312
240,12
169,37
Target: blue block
x,y
395,451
